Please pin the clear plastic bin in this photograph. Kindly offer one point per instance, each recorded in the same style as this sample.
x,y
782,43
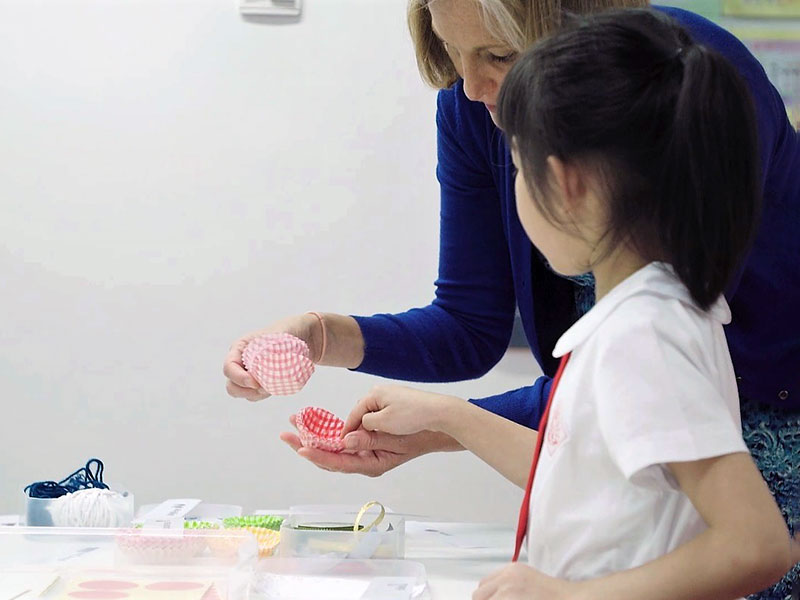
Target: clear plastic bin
x,y
314,535
37,511
345,579
55,563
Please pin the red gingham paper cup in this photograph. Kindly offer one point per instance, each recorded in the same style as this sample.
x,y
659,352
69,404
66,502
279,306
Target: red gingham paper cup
x,y
279,362
318,428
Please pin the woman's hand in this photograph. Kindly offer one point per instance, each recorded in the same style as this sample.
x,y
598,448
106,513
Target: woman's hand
x,y
333,340
520,582
401,410
240,383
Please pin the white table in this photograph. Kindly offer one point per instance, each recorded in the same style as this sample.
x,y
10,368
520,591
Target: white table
x,y
458,555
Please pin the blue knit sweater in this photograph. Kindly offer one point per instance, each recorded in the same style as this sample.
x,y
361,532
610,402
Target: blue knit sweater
x,y
487,264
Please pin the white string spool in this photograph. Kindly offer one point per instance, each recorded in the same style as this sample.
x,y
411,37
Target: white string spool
x,y
92,507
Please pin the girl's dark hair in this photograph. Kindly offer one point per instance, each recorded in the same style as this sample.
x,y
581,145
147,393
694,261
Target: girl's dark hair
x,y
667,125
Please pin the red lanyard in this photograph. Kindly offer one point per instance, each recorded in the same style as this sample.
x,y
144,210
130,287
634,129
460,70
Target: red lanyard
x,y
522,526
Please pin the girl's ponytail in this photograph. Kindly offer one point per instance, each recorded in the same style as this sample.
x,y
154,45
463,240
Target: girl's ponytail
x,y
709,188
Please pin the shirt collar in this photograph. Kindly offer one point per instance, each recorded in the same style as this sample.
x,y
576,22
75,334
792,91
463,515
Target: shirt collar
x,y
654,279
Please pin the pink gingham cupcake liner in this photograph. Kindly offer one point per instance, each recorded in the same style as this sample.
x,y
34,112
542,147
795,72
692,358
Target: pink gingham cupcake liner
x,y
279,362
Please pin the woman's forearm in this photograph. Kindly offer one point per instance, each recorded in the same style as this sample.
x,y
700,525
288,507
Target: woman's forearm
x,y
502,444
344,343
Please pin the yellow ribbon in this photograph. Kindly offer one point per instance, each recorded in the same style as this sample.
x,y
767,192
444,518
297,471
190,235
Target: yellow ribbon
x,y
363,510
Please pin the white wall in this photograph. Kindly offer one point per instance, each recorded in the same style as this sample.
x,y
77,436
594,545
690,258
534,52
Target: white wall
x,y
173,175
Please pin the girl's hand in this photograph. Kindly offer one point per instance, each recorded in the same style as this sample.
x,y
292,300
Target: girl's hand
x,y
400,410
372,453
520,582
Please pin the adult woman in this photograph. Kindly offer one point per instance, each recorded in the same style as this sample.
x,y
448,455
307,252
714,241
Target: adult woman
x,y
466,47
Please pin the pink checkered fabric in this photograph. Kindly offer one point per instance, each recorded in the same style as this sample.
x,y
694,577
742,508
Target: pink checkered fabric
x,y
318,428
279,362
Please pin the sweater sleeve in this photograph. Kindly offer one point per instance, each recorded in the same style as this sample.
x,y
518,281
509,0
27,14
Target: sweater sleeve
x,y
465,330
524,405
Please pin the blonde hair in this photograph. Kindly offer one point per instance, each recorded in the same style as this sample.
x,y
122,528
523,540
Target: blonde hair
x,y
519,23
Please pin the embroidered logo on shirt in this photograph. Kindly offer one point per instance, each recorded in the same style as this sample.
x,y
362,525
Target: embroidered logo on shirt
x,y
556,432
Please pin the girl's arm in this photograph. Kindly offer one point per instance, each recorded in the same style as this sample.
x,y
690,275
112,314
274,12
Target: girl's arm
x,y
503,444
746,547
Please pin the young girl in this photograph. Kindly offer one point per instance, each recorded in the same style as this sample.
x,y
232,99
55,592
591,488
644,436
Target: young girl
x,y
636,158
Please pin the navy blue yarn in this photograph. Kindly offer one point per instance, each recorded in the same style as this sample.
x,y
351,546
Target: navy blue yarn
x,y
81,479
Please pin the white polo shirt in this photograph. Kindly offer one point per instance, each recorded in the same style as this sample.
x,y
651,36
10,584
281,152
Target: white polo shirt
x,y
650,381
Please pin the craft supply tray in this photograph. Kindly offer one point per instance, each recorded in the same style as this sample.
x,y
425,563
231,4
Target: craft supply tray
x,y
331,535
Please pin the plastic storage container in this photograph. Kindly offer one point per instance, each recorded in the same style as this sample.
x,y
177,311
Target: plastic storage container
x,y
55,563
38,511
331,535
